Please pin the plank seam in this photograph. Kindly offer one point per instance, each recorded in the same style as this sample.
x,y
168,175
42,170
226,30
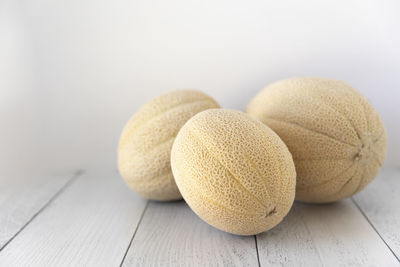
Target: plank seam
x,y
134,233
258,256
373,227
56,195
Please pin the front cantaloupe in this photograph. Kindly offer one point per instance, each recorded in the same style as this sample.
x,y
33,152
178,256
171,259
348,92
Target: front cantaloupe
x,y
233,171
146,141
337,139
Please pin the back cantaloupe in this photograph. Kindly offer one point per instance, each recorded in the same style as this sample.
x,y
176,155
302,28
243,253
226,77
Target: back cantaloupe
x,y
336,138
146,140
233,171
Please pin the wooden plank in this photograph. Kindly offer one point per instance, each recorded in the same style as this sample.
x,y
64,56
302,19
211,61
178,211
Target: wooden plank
x,y
172,235
90,224
380,203
23,197
324,235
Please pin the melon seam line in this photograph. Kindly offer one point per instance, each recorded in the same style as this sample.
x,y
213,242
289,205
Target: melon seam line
x,y
135,129
286,186
378,138
341,188
319,100
251,163
360,182
167,110
305,159
376,155
330,180
231,174
302,127
220,205
378,161
256,124
204,196
357,96
160,144
365,116
225,207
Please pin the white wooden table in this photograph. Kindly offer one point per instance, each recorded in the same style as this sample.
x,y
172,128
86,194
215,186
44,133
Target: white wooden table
x,y
90,218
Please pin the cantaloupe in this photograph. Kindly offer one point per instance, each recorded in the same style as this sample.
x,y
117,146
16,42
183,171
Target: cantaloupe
x,y
233,171
337,139
146,141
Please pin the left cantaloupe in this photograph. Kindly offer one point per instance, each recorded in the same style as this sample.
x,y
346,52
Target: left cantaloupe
x,y
146,141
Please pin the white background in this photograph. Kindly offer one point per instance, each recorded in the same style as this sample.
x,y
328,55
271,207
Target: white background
x,y
73,72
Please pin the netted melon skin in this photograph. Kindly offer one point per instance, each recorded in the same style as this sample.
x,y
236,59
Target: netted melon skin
x,y
145,144
233,171
337,139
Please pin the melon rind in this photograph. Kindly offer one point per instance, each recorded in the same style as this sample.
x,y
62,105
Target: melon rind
x,y
336,137
233,171
146,140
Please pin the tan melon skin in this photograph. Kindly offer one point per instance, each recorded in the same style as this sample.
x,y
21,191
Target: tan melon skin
x,y
233,171
146,140
337,139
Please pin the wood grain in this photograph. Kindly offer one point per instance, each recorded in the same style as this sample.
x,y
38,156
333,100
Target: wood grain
x,y
380,203
172,235
93,221
23,197
90,224
324,235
